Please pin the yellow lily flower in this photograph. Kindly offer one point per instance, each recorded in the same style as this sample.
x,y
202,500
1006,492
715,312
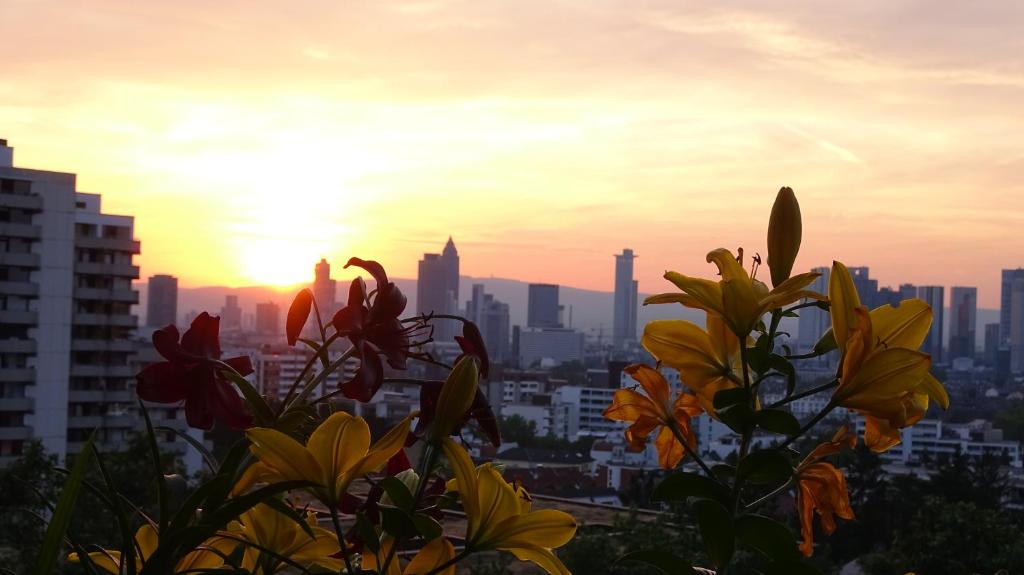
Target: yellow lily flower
x,y
821,488
737,298
708,361
496,518
146,541
338,451
656,409
264,526
882,373
433,555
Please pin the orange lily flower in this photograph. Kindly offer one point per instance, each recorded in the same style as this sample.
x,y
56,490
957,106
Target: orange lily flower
x,y
737,298
822,488
883,375
653,410
708,361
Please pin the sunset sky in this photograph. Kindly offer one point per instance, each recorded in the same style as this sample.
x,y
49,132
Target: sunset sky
x,y
249,139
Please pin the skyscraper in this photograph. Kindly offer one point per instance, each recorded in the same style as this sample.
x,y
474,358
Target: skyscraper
x,y
963,312
230,314
492,318
67,360
1017,325
325,291
162,301
992,344
1005,302
814,321
934,296
542,307
867,288
268,318
437,288
625,312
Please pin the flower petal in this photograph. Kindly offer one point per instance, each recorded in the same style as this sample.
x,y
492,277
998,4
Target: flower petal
x,y
203,337
628,405
934,389
903,326
338,443
465,478
163,382
706,294
844,300
433,555
287,457
654,384
498,502
549,528
544,558
298,314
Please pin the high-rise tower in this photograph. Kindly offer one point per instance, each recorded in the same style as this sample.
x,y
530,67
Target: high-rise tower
x,y
437,288
625,302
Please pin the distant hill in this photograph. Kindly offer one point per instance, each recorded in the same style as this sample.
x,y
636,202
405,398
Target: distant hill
x,y
590,310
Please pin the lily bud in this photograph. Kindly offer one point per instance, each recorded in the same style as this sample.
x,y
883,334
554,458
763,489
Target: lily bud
x,y
784,231
298,313
456,398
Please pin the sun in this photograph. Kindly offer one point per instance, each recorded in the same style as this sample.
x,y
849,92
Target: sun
x,y
276,261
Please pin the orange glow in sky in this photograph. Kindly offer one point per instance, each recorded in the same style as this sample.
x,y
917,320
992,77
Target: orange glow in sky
x,y
249,139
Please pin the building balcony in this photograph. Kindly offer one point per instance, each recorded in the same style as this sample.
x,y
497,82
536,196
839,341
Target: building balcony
x,y
19,288
103,294
124,345
21,201
16,404
100,395
17,346
18,317
15,432
114,319
24,260
28,231
85,421
113,244
78,370
106,269
18,374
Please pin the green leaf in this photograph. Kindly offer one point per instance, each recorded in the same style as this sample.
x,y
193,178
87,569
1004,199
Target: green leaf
x,y
208,457
785,367
826,344
759,356
427,526
739,417
716,530
663,561
731,396
46,561
123,525
367,533
291,420
723,470
777,421
161,481
768,536
397,522
679,486
259,405
398,492
766,467
791,567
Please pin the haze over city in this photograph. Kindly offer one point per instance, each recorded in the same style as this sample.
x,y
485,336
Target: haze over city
x,y
251,140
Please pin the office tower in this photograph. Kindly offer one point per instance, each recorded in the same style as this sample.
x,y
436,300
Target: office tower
x,y
230,314
542,308
492,319
888,296
963,312
1005,302
625,302
162,301
268,318
908,291
934,296
437,289
325,292
867,288
549,346
66,358
1016,342
992,344
814,321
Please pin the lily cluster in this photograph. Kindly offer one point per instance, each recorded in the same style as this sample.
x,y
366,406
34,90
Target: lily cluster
x,y
726,364
284,497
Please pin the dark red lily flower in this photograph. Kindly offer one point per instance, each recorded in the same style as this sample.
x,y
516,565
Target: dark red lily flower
x,y
472,343
192,374
370,321
480,411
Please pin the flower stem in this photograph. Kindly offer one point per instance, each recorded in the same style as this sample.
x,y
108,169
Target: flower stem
x,y
780,489
689,451
321,376
302,374
427,463
341,537
458,557
805,393
807,426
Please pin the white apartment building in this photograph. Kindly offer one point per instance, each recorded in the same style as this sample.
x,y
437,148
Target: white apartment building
x,y
67,355
932,438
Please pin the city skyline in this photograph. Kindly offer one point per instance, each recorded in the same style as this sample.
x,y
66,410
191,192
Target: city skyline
x,y
541,160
